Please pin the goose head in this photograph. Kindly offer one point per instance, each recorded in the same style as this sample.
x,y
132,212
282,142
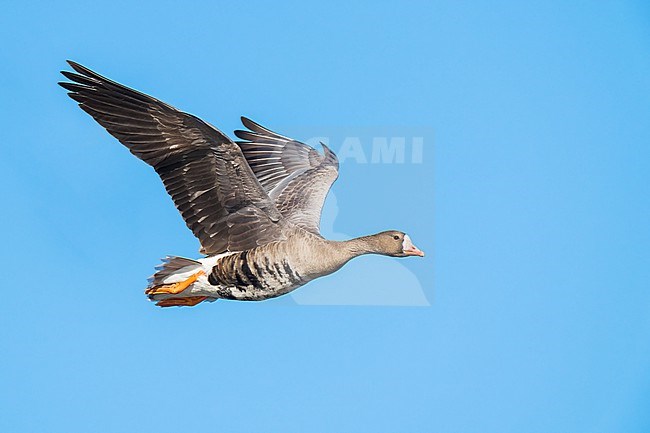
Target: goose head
x,y
396,244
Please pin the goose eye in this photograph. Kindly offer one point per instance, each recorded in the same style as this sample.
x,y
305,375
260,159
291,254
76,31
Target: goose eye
x,y
396,237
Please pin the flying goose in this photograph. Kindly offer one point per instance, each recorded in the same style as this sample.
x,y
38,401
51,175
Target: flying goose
x,y
254,204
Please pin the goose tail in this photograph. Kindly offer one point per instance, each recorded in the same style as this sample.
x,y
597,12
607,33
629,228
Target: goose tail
x,y
173,276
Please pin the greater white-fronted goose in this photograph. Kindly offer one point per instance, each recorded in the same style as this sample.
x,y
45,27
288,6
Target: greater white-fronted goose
x,y
254,205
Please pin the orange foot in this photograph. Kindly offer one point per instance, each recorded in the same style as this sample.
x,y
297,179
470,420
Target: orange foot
x,y
189,301
174,288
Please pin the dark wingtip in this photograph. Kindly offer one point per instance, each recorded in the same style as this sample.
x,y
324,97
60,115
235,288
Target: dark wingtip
x,y
72,87
240,134
326,149
330,156
65,85
74,65
69,75
250,124
81,69
77,67
64,73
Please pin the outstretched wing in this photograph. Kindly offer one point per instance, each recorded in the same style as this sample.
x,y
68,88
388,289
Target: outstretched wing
x,y
296,176
204,172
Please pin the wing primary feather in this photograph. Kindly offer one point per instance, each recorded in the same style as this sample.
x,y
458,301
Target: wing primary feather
x,y
204,172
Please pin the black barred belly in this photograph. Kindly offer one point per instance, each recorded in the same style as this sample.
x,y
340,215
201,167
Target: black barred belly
x,y
252,277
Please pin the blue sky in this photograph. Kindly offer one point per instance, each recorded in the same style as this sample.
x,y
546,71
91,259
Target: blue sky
x,y
531,200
